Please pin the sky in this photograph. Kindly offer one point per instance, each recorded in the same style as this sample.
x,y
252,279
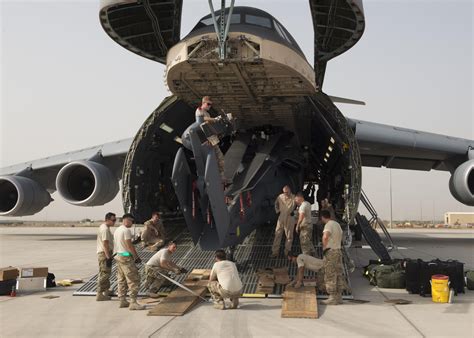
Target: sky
x,y
66,85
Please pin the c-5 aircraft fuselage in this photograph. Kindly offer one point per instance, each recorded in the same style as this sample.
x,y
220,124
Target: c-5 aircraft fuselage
x,y
287,131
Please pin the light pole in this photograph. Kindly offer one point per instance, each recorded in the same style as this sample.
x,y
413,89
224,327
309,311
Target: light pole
x,y
421,211
391,204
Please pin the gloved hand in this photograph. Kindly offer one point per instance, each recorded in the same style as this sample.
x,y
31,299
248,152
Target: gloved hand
x,y
108,262
138,260
183,270
177,271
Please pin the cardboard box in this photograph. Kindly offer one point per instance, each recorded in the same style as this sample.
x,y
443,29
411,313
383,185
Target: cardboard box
x,y
8,273
34,272
31,284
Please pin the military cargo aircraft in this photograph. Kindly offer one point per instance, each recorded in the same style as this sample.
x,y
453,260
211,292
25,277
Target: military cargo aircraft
x,y
284,129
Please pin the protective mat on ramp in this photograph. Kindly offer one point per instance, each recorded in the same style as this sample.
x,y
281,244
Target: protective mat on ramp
x,y
252,255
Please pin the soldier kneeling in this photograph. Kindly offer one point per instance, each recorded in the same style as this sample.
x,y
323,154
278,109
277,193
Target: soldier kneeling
x,y
158,265
224,282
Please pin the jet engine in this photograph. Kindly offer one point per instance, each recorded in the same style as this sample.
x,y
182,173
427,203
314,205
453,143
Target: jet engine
x,y
461,183
21,196
86,183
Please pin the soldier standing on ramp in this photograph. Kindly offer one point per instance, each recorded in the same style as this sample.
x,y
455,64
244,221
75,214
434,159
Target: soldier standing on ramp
x,y
127,272
285,206
333,277
304,225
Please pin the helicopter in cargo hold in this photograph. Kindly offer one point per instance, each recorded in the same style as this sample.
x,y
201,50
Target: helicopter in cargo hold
x,y
284,128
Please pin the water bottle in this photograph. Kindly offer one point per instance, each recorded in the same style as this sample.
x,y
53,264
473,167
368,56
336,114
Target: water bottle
x,y
451,296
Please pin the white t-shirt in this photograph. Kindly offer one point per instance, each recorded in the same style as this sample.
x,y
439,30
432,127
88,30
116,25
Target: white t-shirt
x,y
202,113
120,236
103,234
305,209
159,257
336,234
227,275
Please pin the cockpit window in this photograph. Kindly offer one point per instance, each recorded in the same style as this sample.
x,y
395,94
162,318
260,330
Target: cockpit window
x,y
281,31
234,19
258,20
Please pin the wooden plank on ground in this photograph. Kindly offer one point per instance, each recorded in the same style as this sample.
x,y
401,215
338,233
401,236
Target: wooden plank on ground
x,y
299,303
281,276
178,302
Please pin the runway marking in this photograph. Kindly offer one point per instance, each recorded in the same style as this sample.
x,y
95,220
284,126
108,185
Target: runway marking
x,y
368,247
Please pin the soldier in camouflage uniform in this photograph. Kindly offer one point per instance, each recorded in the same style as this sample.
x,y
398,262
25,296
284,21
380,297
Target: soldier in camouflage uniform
x,y
154,235
304,225
128,277
160,263
105,248
333,270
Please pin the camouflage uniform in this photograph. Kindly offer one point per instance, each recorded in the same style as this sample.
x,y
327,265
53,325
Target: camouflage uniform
x,y
306,239
103,280
333,277
306,229
150,238
153,279
218,294
128,277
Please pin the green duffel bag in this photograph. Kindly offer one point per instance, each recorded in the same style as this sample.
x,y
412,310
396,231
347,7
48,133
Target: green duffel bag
x,y
387,276
470,280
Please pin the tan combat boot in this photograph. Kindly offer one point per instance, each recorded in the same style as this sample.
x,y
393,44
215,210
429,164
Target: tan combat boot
x,y
108,293
135,306
220,305
123,302
339,299
101,297
235,302
332,300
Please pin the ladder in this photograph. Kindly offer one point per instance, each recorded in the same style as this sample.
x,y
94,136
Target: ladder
x,y
375,219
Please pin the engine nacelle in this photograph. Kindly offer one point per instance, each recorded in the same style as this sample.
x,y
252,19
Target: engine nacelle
x,y
86,183
461,183
21,196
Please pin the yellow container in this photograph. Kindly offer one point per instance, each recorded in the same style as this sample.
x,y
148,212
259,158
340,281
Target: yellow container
x,y
440,288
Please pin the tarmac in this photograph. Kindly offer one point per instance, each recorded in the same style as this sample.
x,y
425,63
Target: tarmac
x,y
70,253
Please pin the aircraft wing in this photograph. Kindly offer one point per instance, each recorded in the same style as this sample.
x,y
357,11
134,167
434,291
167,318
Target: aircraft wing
x,y
394,147
84,177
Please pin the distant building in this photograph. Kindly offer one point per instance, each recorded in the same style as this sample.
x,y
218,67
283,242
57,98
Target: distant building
x,y
459,218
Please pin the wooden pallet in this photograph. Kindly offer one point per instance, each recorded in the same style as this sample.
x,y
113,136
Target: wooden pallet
x,y
299,303
281,275
266,281
178,302
198,277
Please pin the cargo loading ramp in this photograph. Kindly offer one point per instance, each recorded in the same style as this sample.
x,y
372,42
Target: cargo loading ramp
x,y
250,256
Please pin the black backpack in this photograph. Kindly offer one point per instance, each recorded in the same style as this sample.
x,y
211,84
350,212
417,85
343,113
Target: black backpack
x,y
50,280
